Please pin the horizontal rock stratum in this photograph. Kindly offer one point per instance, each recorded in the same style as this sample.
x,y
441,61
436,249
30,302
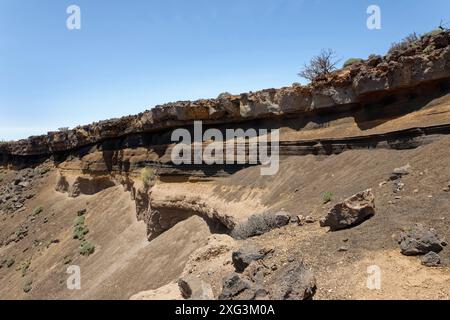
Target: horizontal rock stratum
x,y
426,61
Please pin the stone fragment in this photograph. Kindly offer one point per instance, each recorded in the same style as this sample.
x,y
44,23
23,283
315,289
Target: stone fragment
x,y
351,212
420,240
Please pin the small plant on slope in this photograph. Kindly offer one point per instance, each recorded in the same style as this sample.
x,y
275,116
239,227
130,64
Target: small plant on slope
x,y
148,176
86,248
327,197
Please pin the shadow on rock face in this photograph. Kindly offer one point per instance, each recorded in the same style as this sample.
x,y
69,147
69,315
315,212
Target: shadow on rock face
x,y
83,185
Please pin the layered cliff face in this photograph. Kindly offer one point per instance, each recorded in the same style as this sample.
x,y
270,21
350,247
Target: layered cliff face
x,y
375,80
153,222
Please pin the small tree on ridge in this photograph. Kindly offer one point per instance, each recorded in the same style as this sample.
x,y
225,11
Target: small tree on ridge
x,y
320,65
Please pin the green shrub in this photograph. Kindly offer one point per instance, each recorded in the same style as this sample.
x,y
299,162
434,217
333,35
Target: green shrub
x,y
24,267
351,61
327,197
86,248
79,232
27,286
38,210
67,260
147,176
256,225
20,233
79,221
10,263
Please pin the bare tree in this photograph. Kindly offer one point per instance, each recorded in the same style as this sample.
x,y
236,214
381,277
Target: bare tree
x,y
320,65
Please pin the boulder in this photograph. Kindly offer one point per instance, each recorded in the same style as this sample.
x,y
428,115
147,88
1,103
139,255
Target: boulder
x,y
24,184
398,173
301,220
233,287
351,212
293,282
431,259
310,219
194,288
420,240
244,256
281,219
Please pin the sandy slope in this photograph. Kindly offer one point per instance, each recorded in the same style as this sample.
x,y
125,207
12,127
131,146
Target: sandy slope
x,y
125,263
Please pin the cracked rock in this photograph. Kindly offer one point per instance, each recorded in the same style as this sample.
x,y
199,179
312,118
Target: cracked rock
x,y
420,240
351,212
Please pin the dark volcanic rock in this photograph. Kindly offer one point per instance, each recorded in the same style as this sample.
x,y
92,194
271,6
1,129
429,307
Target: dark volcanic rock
x,y
244,256
233,287
293,282
351,212
281,219
431,259
420,240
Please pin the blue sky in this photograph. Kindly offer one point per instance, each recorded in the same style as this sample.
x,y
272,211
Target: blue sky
x,y
132,55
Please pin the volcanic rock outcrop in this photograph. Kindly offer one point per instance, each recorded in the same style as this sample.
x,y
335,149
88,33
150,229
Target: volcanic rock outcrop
x,y
361,84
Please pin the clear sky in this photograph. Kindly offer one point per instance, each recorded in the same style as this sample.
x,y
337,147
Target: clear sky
x,y
131,55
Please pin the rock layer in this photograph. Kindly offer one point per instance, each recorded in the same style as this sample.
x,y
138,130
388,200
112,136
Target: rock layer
x,y
362,83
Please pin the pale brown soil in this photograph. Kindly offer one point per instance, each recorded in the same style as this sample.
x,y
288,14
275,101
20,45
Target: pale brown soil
x,y
124,261
343,275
